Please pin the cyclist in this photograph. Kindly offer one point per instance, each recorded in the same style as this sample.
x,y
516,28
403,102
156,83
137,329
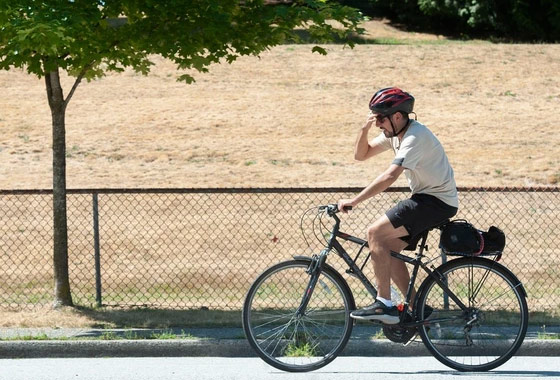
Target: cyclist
x,y
420,155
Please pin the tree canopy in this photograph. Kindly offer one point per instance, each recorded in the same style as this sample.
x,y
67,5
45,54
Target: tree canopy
x,y
90,37
87,38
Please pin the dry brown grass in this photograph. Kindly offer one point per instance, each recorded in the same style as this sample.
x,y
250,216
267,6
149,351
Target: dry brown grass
x,y
290,117
117,318
45,317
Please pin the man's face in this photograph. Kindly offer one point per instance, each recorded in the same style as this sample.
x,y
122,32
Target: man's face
x,y
383,123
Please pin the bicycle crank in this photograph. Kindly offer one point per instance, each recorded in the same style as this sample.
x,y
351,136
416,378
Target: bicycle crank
x,y
399,334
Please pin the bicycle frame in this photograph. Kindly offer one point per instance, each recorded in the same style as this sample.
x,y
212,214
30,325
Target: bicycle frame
x,y
417,263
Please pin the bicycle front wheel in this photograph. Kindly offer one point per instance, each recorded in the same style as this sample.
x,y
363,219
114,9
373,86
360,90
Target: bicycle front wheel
x,y
489,330
292,341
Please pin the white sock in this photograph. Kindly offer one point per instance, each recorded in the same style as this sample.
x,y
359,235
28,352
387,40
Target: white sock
x,y
386,302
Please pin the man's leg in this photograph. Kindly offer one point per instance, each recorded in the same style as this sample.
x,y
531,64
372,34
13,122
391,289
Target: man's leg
x,y
383,238
401,276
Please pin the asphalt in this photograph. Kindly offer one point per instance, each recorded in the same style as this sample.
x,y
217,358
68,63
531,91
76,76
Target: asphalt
x,y
211,342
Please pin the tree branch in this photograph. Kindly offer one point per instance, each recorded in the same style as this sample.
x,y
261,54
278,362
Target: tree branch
x,y
77,82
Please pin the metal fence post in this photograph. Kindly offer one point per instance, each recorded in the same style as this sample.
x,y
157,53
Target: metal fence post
x,y
96,250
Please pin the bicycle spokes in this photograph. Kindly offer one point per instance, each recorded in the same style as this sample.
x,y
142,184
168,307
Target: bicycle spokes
x,y
292,328
487,332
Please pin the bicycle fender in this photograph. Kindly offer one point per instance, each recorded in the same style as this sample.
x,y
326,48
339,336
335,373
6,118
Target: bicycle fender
x,y
334,272
516,280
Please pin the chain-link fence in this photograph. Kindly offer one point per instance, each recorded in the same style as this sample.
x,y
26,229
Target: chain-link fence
x,y
202,248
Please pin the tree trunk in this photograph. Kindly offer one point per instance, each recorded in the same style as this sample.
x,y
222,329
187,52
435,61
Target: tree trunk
x,y
62,295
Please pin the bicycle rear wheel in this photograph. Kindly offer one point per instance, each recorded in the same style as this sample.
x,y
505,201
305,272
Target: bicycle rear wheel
x,y
297,343
489,331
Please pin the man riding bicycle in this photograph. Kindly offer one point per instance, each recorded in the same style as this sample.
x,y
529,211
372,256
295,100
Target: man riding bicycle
x,y
420,155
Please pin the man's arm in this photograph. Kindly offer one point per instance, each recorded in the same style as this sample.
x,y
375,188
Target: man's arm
x,y
362,148
380,184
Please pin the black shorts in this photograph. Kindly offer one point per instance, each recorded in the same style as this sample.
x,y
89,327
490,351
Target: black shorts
x,y
417,214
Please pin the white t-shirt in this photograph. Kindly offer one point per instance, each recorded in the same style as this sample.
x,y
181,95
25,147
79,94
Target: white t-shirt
x,y
426,165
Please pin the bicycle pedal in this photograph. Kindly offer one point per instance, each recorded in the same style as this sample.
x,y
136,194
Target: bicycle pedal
x,y
411,340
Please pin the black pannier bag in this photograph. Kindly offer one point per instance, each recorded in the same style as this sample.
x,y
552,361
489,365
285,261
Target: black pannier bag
x,y
494,241
460,238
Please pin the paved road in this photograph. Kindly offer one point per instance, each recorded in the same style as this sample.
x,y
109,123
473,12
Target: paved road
x,y
214,368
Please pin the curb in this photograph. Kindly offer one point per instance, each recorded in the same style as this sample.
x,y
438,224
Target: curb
x,y
125,348
218,348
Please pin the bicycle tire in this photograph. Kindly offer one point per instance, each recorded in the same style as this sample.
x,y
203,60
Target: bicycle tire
x,y
495,299
288,342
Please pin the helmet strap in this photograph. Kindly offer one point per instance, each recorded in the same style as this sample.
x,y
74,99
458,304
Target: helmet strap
x,y
395,134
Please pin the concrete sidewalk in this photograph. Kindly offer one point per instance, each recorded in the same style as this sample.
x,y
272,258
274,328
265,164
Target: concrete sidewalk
x,y
221,342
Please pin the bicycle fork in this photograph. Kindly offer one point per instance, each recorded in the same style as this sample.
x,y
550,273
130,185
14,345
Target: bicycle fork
x,y
314,271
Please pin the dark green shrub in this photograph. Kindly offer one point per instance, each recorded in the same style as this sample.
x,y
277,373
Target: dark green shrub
x,y
512,20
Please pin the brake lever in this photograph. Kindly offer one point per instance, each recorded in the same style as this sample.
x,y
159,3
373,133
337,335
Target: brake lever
x,y
333,209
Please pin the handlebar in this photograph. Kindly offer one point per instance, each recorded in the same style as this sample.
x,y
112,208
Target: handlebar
x,y
333,209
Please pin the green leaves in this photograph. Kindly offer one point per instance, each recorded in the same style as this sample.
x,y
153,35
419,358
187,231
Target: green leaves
x,y
110,35
512,19
318,49
43,38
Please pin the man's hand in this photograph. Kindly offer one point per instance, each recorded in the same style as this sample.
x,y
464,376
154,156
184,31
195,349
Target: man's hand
x,y
343,203
362,149
369,121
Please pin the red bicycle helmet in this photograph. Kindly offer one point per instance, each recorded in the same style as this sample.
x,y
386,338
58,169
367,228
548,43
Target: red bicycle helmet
x,y
389,100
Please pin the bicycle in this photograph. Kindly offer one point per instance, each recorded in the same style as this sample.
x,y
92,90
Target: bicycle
x,y
470,312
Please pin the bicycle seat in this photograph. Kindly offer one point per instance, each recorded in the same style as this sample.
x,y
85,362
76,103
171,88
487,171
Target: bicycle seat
x,y
413,242
438,226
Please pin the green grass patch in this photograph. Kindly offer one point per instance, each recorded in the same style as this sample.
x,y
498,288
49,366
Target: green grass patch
x,y
29,337
169,334
548,336
110,335
133,335
42,336
302,350
543,334
378,335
